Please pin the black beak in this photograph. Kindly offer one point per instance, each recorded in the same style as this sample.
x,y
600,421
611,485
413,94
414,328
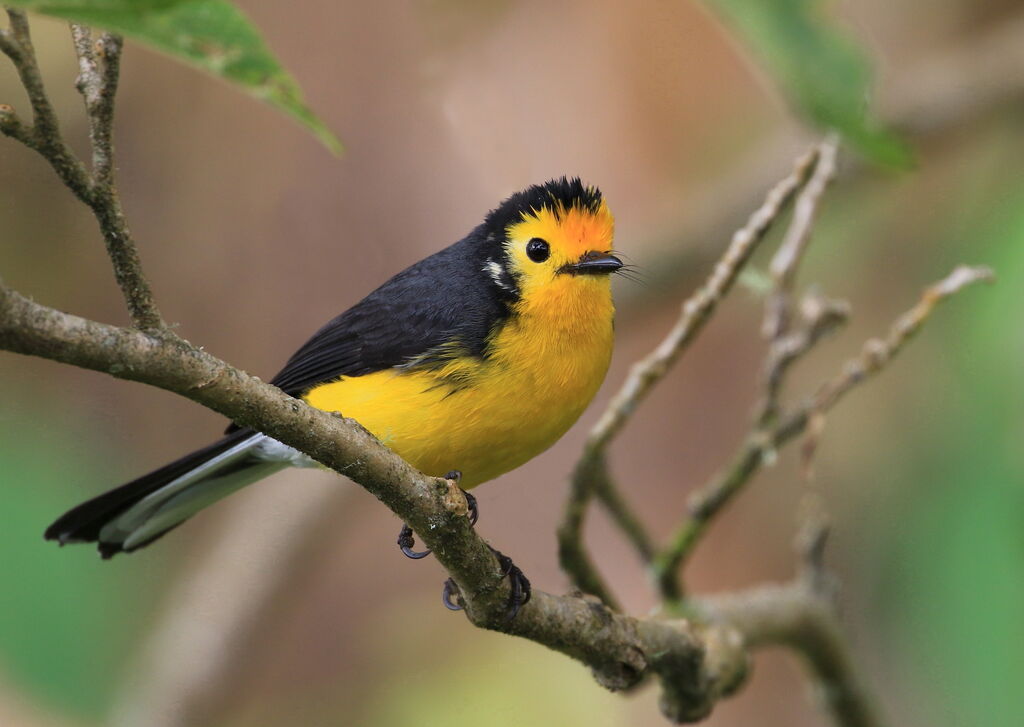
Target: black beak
x,y
593,263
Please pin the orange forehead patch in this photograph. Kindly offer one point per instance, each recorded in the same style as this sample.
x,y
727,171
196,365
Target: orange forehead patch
x,y
570,232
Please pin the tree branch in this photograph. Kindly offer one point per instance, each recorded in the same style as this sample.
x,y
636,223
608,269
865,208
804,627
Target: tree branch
x,y
819,316
590,474
44,135
798,618
97,81
611,497
877,353
699,307
696,311
761,445
784,265
696,665
99,68
621,650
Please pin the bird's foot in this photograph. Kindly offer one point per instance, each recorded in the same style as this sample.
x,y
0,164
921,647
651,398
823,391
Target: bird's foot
x,y
473,511
406,543
519,585
406,540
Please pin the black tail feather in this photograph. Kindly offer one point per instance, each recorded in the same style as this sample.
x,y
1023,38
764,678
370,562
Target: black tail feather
x,y
82,524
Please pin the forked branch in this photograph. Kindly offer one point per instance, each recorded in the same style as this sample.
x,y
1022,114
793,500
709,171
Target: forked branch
x,y
591,475
799,615
99,67
762,444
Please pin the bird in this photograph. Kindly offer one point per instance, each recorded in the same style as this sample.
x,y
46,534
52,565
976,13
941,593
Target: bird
x,y
467,364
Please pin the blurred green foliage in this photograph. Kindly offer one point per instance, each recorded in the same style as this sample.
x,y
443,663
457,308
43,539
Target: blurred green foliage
x,y
213,35
959,556
820,69
67,619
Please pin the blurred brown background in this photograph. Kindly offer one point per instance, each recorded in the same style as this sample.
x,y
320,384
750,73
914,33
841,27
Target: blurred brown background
x,y
288,603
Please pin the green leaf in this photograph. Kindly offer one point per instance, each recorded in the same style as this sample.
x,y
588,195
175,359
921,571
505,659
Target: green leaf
x,y
211,34
822,71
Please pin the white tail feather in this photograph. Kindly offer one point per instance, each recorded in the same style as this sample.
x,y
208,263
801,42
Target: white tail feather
x,y
118,528
183,497
250,460
185,503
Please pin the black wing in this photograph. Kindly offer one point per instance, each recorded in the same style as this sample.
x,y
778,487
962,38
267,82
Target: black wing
x,y
446,297
456,296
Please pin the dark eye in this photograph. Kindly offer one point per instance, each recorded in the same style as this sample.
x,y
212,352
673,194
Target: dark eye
x,y
538,250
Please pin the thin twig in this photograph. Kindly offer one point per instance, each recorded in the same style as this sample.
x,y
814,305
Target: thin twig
x,y
876,353
14,127
124,255
44,134
97,81
819,317
572,553
696,311
624,516
760,446
811,539
99,68
784,264
17,44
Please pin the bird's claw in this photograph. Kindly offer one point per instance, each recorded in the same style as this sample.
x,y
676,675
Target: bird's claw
x,y
519,585
449,590
473,511
406,540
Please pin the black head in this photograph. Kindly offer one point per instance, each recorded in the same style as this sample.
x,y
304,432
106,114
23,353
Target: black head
x,y
556,194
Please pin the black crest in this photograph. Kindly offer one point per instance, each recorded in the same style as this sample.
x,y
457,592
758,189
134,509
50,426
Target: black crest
x,y
556,195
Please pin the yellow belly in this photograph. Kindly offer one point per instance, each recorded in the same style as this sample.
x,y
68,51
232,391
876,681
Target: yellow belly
x,y
486,417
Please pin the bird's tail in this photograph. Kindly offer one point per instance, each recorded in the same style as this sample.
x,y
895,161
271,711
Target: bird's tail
x,y
137,513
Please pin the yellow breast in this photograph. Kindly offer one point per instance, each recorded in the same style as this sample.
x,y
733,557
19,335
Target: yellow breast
x,y
486,417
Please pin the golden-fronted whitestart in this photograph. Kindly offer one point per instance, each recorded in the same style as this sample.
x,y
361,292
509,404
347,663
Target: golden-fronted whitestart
x,y
475,360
